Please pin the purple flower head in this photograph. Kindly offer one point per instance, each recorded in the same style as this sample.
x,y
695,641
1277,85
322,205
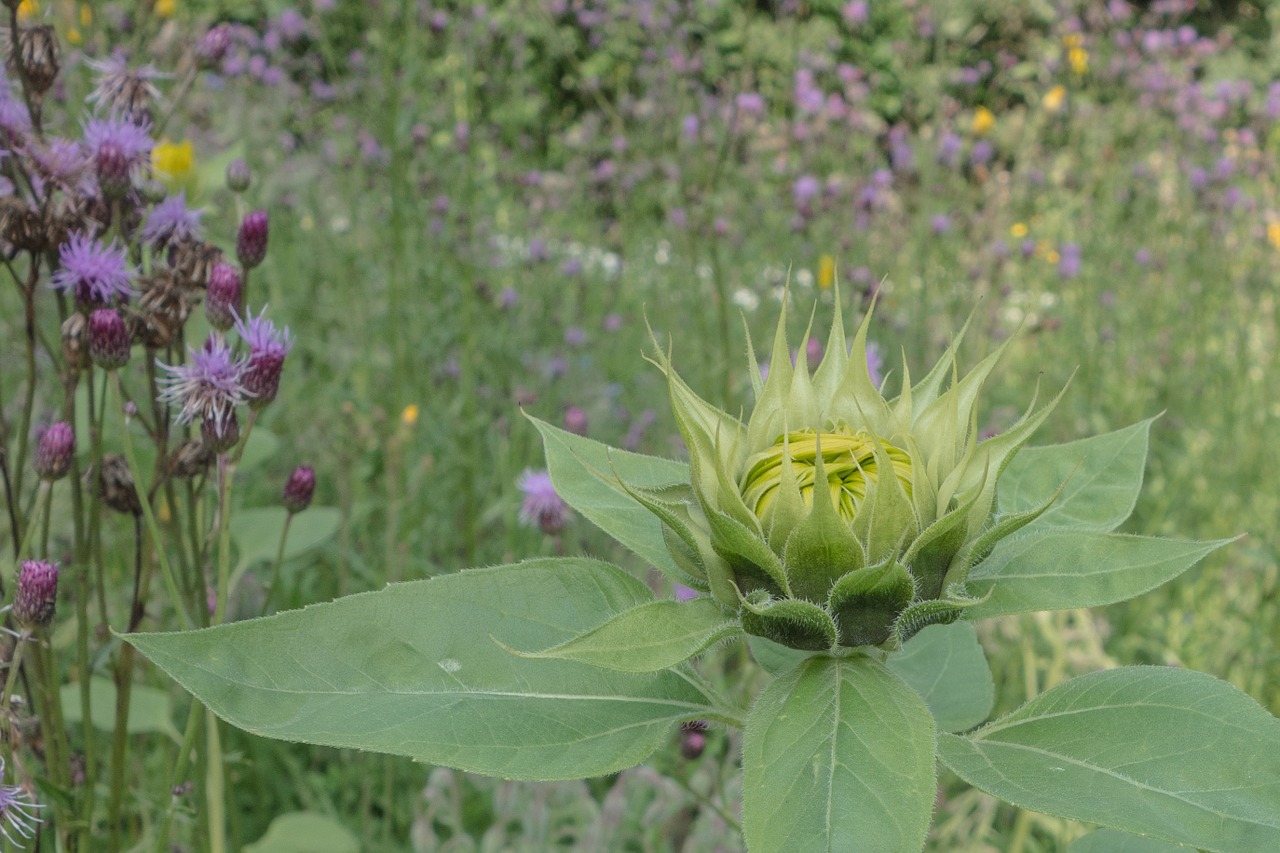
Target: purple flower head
x,y
542,507
55,448
251,241
981,153
940,224
94,273
36,597
109,341
63,161
122,91
222,300
1069,261
575,336
299,489
575,420
949,150
17,812
15,120
268,347
805,189
208,387
171,220
120,150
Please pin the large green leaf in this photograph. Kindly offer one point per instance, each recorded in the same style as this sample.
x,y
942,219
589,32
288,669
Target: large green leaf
x,y
838,754
416,669
1103,475
582,470
305,832
1062,569
1114,841
945,664
1170,753
649,637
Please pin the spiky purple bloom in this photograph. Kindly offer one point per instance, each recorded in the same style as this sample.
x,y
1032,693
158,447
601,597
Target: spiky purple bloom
x,y
36,596
268,347
109,340
207,388
55,449
542,507
63,161
172,220
94,273
15,120
251,241
17,812
119,150
225,292
299,489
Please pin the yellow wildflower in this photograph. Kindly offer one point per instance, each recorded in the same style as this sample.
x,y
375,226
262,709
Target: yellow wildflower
x,y
1054,98
826,271
1073,40
1052,256
409,416
166,8
983,121
1018,229
86,15
28,9
173,162
1078,58
1273,233
73,36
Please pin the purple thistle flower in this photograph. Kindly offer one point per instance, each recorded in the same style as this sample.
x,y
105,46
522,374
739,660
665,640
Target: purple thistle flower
x,y
251,240
63,161
543,507
119,149
208,387
94,273
299,489
223,297
121,90
109,339
15,121
55,449
172,220
267,350
17,812
36,596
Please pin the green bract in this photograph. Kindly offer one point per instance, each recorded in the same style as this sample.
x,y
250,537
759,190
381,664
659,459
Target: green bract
x,y
793,521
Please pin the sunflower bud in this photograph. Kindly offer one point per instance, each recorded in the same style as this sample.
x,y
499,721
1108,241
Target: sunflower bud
x,y
834,516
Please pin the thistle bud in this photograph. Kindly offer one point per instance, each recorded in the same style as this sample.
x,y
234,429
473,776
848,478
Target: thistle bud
x,y
39,55
693,739
220,432
114,170
54,451
251,241
299,489
36,596
213,47
109,339
575,420
542,507
115,485
226,290
238,176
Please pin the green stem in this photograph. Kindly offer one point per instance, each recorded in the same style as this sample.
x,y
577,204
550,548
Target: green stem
x,y
711,804
53,727
275,568
179,774
11,679
215,782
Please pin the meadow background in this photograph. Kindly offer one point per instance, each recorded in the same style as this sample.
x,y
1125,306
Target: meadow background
x,y
475,209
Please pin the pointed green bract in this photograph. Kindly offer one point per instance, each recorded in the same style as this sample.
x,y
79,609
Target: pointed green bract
x,y
793,622
838,754
867,602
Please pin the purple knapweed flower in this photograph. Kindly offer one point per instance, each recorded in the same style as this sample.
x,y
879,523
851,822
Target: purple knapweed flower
x,y
940,224
268,347
1069,261
15,120
208,387
542,507
805,190
93,273
120,149
63,161
172,220
17,812
981,153
251,240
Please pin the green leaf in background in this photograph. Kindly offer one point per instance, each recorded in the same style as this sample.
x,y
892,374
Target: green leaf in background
x,y
256,532
1170,753
838,754
576,465
261,446
1114,841
1062,569
1103,475
305,832
150,710
946,665
649,637
414,670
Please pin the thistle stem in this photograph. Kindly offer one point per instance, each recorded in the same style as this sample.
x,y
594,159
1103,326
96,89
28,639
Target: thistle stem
x,y
275,568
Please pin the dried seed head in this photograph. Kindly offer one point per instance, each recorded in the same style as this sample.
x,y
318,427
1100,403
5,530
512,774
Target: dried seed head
x,y
163,308
115,485
190,459
39,55
75,344
54,451
36,596
299,489
192,261
20,226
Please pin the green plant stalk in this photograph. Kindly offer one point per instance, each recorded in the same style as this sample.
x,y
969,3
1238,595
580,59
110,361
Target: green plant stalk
x,y
119,744
10,681
53,727
40,509
97,415
215,786
179,772
275,567
29,393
